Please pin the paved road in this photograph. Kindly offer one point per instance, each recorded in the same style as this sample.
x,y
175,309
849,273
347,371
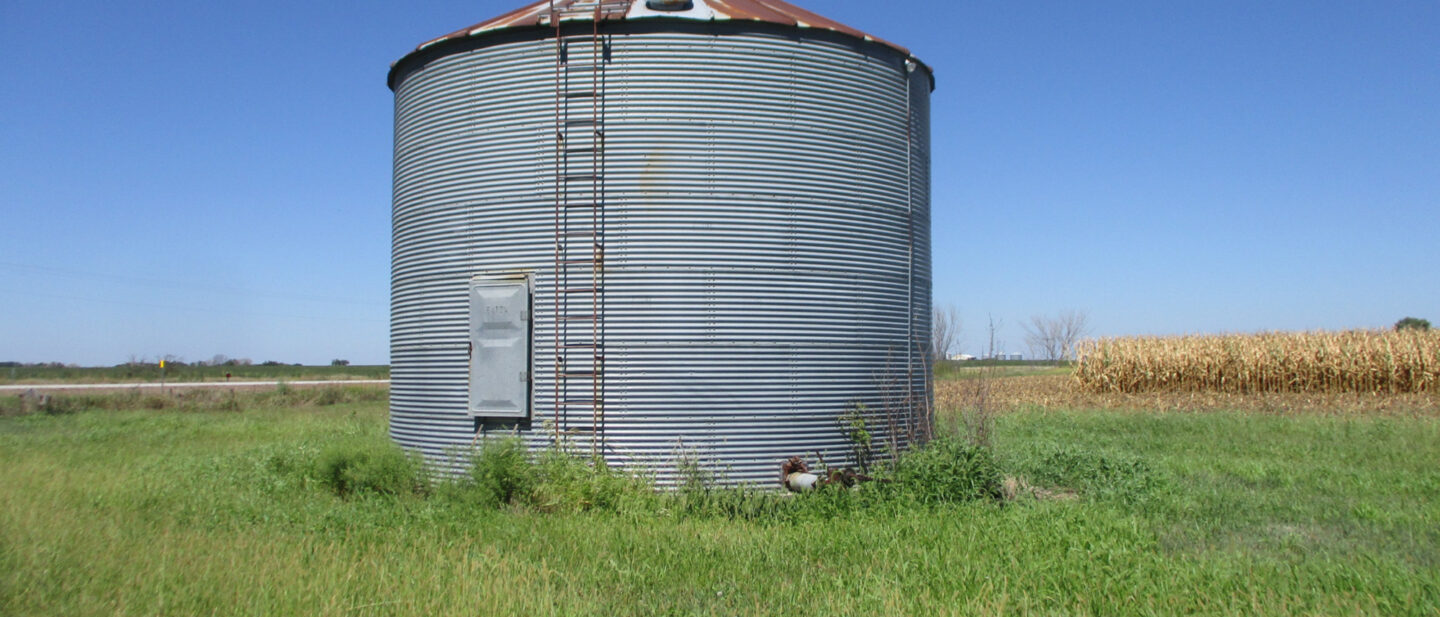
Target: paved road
x,y
187,385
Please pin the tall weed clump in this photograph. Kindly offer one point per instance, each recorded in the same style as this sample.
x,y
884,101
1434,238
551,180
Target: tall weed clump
x,y
351,469
948,470
1367,361
567,483
502,473
1124,478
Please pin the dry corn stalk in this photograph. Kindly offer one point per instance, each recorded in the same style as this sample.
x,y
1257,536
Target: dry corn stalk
x,y
1377,361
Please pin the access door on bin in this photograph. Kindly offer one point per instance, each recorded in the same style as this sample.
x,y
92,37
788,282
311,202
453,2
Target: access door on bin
x,y
500,346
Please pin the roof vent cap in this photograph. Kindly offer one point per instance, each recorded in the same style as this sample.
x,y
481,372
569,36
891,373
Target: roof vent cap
x,y
669,5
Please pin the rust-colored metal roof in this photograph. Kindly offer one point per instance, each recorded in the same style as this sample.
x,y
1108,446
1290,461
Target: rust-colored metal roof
x,y
771,11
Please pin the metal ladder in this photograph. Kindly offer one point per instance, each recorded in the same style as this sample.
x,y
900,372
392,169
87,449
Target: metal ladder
x,y
579,229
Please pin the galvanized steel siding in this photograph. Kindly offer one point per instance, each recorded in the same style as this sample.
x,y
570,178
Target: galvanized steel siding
x,y
766,240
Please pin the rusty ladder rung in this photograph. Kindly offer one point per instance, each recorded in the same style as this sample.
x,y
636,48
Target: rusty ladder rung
x,y
572,118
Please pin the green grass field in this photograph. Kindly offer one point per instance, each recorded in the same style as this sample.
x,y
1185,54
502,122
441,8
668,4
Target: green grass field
x,y
949,370
221,512
174,374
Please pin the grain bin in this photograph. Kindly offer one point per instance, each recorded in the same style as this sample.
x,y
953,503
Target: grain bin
x,y
661,231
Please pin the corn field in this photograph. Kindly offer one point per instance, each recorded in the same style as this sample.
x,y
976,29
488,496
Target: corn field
x,y
1370,361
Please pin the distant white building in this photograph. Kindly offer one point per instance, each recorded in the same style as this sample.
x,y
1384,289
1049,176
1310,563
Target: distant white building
x,y
1006,356
959,356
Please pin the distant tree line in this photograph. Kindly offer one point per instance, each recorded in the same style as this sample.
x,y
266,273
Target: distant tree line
x,y
170,361
216,360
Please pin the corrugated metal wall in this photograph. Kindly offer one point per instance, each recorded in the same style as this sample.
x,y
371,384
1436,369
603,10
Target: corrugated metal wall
x,y
767,241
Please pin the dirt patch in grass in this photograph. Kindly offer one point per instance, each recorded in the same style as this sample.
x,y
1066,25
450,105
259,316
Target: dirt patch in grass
x,y
1015,487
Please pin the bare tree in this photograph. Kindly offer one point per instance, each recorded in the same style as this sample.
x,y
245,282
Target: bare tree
x,y
1054,338
944,331
1074,325
1040,337
995,326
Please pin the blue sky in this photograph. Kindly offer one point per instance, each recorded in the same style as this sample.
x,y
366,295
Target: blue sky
x,y
211,178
